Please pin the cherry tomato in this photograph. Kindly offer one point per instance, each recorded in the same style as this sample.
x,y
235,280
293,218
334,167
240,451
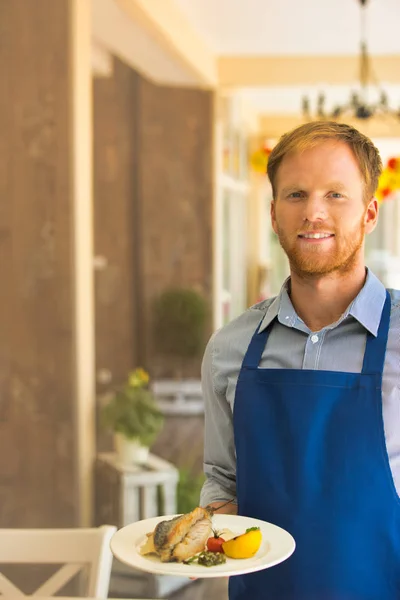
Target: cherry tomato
x,y
214,544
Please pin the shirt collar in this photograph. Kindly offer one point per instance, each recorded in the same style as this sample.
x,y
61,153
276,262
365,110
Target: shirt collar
x,y
366,308
280,307
368,305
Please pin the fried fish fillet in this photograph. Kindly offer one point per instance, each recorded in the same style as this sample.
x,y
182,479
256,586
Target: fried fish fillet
x,y
180,538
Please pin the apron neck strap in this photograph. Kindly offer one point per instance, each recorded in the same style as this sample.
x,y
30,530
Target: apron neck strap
x,y
375,351
256,347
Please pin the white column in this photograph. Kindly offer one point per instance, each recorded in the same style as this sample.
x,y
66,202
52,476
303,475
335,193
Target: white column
x,y
81,190
217,218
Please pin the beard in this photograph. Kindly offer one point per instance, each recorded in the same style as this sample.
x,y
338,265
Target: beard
x,y
317,261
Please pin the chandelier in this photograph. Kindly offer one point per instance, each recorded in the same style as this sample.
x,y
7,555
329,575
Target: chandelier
x,y
358,106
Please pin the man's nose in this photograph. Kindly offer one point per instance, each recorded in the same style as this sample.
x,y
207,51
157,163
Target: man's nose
x,y
315,208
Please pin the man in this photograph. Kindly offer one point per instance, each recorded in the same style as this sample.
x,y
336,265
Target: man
x,y
302,391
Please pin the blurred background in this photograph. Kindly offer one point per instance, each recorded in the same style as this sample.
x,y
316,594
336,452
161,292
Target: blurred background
x,y
135,216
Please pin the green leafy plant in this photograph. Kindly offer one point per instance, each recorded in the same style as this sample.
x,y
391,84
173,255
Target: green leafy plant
x,y
132,410
180,317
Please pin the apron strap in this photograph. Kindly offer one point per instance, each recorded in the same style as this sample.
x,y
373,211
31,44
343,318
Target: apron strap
x,y
256,347
375,351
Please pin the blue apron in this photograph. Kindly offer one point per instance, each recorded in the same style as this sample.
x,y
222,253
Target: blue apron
x,y
312,458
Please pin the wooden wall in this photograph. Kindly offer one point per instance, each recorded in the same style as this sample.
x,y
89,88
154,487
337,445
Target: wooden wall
x,y
152,207
176,203
153,210
37,446
117,293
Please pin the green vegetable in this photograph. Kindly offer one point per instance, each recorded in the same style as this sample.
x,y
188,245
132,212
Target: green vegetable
x,y
207,559
252,529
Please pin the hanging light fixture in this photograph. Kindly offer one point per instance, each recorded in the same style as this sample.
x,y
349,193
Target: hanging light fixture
x,y
358,106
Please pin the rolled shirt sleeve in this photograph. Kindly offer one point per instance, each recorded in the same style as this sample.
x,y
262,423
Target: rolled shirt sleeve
x,y
219,446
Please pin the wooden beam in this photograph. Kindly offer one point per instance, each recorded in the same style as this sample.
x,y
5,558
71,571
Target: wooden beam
x,y
167,24
102,61
258,71
275,125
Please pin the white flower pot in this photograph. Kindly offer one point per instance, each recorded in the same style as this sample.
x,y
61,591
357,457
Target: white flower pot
x,y
130,451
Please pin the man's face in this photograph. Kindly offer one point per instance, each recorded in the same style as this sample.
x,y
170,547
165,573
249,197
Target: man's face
x,y
319,212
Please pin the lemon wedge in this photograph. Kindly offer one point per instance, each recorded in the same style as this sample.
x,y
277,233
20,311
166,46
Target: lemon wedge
x,y
245,545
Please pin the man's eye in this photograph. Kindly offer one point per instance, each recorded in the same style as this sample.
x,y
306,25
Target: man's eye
x,y
295,195
336,195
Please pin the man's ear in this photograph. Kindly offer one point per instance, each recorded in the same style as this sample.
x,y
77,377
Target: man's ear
x,y
371,215
273,216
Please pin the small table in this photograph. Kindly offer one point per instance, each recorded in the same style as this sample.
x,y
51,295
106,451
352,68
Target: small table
x,y
128,493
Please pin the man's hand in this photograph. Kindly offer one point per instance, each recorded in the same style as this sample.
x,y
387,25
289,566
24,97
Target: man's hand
x,y
226,509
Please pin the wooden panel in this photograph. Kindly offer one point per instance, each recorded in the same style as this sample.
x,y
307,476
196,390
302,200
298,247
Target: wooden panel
x,y
36,302
181,442
153,211
176,200
115,184
115,225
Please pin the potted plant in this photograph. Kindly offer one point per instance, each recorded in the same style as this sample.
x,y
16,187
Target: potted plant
x,y
179,328
134,417
180,318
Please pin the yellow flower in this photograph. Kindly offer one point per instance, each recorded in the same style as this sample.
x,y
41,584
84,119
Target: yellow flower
x,y
138,378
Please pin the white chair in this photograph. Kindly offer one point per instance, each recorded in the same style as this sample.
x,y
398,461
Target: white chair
x,y
78,550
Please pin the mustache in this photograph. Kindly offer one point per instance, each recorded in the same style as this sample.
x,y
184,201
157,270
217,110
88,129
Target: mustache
x,y
316,229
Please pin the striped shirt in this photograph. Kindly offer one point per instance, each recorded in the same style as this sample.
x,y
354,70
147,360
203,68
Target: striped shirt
x,y
291,345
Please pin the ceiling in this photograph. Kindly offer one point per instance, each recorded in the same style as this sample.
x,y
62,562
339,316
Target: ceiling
x,y
268,53
296,28
320,27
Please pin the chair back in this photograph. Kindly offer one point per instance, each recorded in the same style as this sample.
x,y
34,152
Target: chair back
x,y
78,550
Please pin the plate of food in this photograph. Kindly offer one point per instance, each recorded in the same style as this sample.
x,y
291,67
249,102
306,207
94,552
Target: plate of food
x,y
202,544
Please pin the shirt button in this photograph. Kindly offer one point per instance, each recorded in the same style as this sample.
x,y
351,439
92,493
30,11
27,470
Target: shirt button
x,y
314,339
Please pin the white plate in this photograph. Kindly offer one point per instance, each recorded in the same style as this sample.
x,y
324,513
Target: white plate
x,y
277,545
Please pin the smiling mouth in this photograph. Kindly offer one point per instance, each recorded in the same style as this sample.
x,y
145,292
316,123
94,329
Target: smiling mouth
x,y
315,236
